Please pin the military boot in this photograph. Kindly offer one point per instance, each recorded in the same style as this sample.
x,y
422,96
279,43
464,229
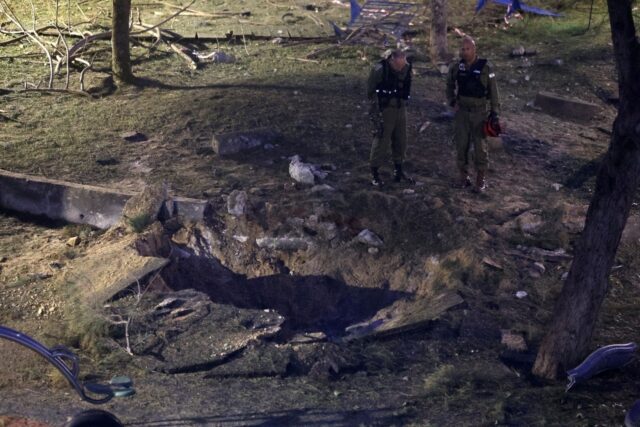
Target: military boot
x,y
465,180
400,176
481,184
375,178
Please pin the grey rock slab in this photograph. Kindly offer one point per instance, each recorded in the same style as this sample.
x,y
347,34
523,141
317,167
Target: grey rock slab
x,y
566,108
236,142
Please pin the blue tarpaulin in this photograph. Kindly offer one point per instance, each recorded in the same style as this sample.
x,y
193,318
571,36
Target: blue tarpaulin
x,y
517,6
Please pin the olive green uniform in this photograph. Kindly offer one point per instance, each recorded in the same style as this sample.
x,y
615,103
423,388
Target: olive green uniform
x,y
393,117
471,115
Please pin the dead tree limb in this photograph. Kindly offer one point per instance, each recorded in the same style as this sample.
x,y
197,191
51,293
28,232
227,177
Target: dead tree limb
x,y
183,52
164,21
11,15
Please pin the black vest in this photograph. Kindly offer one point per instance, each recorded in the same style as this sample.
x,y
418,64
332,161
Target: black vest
x,y
391,86
469,83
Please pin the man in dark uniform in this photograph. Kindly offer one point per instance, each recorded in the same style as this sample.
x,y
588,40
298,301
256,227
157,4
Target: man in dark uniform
x,y
471,85
388,90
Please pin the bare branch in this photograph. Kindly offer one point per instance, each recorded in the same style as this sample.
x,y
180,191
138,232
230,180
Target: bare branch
x,y
11,15
164,20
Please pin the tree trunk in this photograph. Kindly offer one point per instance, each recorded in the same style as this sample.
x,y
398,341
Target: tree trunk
x,y
576,311
120,55
438,32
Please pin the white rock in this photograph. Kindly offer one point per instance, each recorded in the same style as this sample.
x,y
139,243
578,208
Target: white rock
x,y
373,250
529,222
240,238
301,172
539,267
283,243
521,294
237,202
556,186
368,237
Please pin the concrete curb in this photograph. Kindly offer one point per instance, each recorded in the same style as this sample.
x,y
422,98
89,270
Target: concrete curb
x,y
78,203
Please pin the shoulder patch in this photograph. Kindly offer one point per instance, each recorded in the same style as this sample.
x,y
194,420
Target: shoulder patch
x,y
461,66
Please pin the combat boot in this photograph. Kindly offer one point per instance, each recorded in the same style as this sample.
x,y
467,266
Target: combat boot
x,y
481,183
399,175
465,180
375,178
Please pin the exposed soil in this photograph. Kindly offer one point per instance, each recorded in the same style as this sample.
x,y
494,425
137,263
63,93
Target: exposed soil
x,y
298,369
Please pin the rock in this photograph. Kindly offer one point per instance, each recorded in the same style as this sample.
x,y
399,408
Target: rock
x,y
445,116
518,51
490,262
240,238
521,294
368,237
328,230
323,188
573,217
373,250
424,126
301,172
408,191
513,341
134,136
107,161
220,58
631,232
237,202
566,108
539,267
536,270
556,186
529,222
74,241
235,142
283,243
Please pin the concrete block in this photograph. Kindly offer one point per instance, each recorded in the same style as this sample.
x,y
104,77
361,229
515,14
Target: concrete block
x,y
59,200
235,142
566,108
78,203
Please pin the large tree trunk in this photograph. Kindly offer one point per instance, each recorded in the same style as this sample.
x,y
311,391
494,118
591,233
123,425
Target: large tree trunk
x,y
121,58
576,312
438,32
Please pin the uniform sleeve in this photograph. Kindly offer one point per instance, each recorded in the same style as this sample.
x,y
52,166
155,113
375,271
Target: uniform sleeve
x,y
375,77
493,95
451,84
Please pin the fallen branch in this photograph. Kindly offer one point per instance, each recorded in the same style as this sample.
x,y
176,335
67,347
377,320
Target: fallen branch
x,y
303,60
183,53
164,20
9,13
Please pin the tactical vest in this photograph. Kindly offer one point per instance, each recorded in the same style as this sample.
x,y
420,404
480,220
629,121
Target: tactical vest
x,y
468,79
391,86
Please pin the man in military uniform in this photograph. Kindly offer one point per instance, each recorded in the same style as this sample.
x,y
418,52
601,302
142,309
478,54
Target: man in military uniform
x,y
471,85
388,90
